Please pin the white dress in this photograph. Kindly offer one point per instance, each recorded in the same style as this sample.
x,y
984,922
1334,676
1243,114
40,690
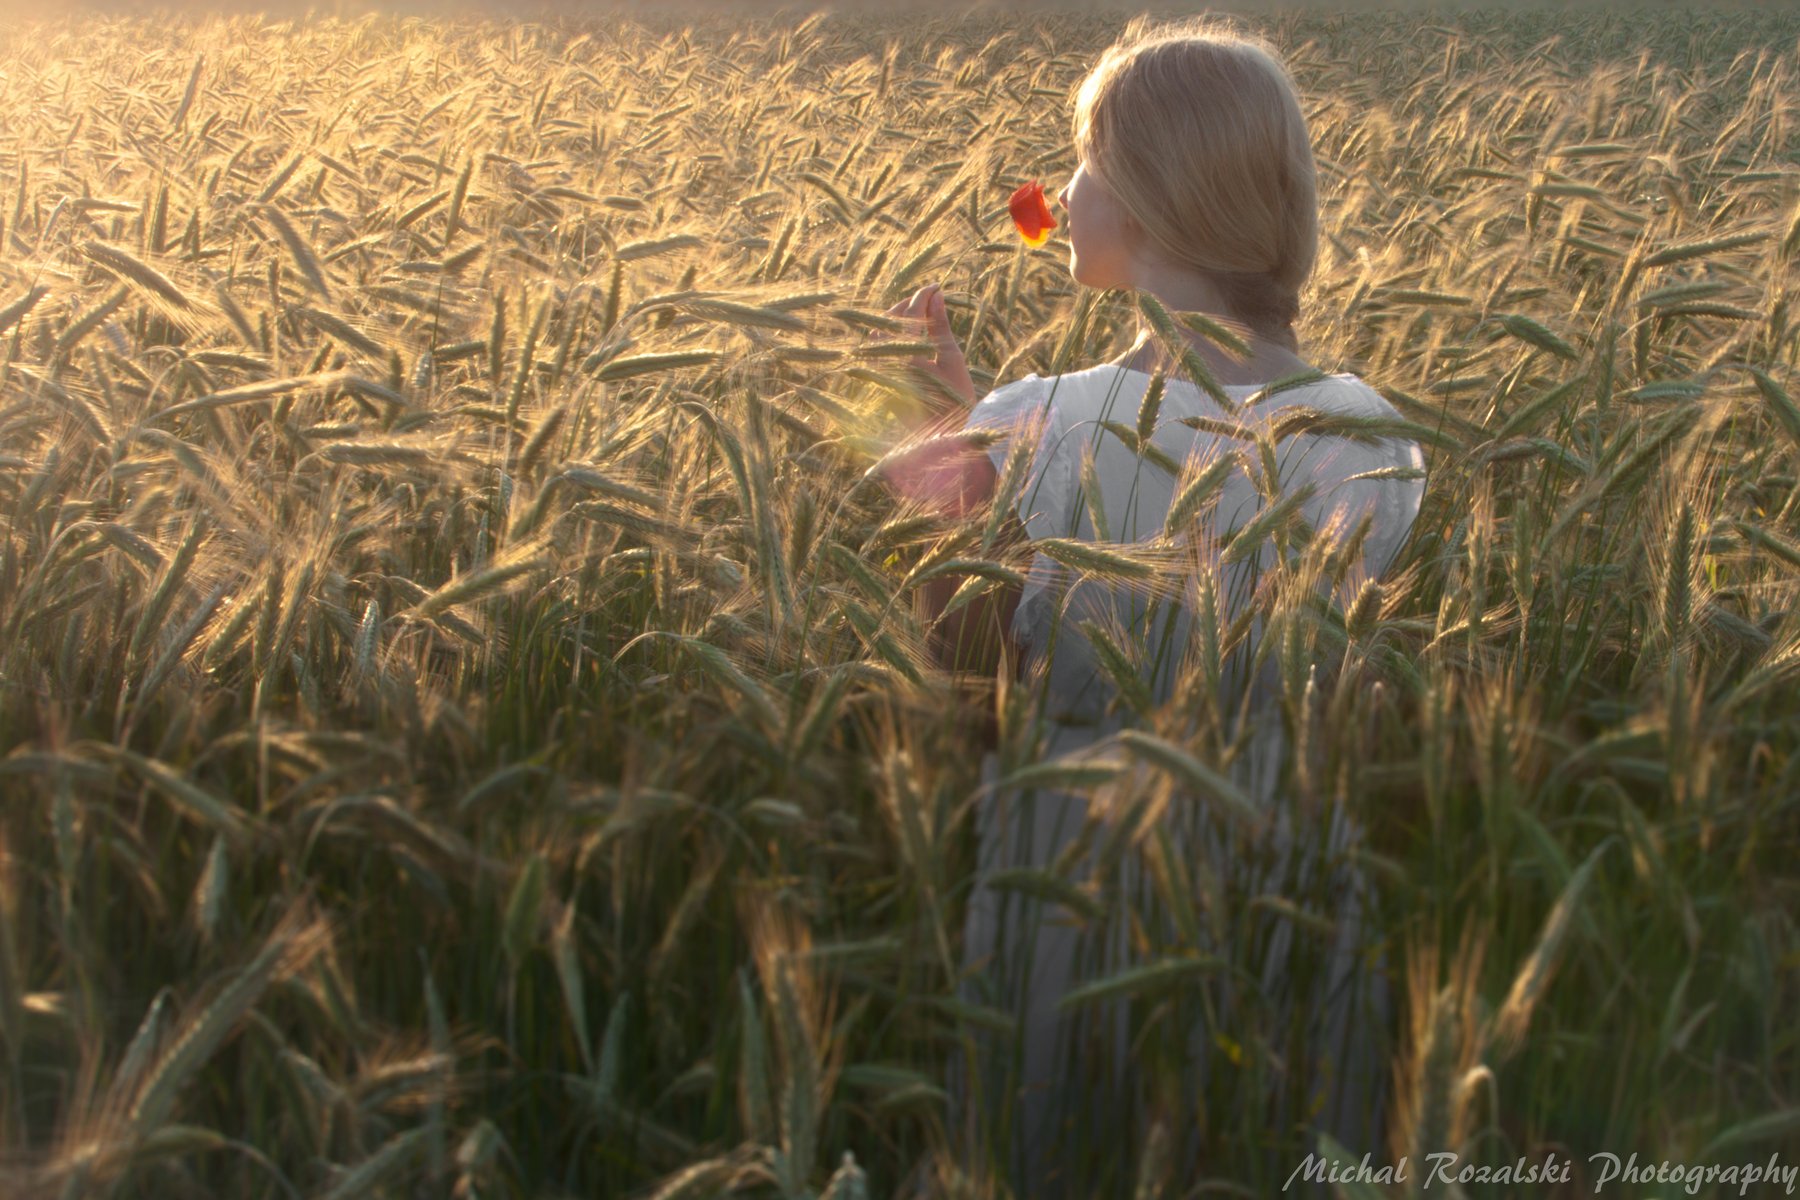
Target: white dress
x,y
1075,1084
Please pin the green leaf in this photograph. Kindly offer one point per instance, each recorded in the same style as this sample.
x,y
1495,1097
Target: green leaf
x,y
1138,980
524,909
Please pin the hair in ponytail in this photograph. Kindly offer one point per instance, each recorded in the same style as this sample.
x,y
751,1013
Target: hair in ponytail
x,y
1197,131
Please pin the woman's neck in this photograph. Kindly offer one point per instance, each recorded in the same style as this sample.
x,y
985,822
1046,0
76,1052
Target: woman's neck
x,y
1268,360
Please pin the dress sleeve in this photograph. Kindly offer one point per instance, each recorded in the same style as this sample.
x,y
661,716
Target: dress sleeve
x,y
1018,410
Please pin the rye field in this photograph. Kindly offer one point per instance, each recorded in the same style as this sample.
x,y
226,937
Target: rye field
x,y
466,723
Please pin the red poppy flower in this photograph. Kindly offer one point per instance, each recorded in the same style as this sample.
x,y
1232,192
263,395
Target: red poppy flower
x,y
1031,214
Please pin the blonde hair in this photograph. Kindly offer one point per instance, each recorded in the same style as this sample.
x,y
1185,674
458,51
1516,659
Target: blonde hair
x,y
1197,131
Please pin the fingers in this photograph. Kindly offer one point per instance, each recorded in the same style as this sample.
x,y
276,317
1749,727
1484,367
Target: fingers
x,y
926,304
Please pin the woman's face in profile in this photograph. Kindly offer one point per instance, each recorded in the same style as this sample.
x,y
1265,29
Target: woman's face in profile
x,y
1099,249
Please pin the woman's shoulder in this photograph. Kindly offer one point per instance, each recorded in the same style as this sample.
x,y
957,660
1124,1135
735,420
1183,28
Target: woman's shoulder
x,y
1340,392
1350,393
1011,404
1071,394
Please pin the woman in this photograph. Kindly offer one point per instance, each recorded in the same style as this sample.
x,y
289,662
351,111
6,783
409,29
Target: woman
x,y
1195,184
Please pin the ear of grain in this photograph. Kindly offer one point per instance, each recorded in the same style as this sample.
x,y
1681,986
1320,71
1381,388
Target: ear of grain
x,y
187,96
1535,333
1191,773
1218,333
1091,559
1177,347
1250,537
177,647
210,892
1092,498
1150,408
342,331
280,179
476,586
1528,987
251,393
145,279
13,313
1196,492
1786,411
1677,594
630,367
157,607
293,942
1711,247
72,336
1119,667
656,247
754,1107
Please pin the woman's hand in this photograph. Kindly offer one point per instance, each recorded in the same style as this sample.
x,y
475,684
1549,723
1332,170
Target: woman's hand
x,y
949,367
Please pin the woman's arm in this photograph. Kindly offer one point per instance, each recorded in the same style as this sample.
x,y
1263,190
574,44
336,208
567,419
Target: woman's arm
x,y
957,481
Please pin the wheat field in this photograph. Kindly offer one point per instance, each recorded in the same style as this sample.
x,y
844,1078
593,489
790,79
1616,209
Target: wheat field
x,y
466,728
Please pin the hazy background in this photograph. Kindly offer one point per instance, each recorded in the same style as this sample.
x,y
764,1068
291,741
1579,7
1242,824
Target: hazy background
x,y
725,9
